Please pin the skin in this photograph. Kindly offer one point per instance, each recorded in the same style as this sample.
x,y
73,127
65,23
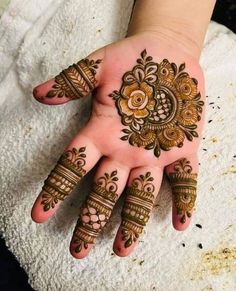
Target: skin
x,y
101,135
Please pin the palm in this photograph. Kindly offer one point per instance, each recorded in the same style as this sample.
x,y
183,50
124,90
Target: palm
x,y
146,115
105,113
105,130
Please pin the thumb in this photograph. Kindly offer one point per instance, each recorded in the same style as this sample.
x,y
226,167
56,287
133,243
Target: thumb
x,y
75,82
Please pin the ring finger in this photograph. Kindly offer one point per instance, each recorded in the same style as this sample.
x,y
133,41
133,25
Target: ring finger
x,y
143,186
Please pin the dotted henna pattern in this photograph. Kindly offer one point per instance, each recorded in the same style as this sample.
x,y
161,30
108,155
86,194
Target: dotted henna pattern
x,y
96,211
64,177
159,103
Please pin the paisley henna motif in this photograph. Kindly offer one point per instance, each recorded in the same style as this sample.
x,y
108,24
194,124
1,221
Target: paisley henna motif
x,y
64,177
159,103
137,207
183,183
77,81
96,211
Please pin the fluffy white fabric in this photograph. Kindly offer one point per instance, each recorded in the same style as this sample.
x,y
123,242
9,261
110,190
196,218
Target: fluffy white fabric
x,y
38,39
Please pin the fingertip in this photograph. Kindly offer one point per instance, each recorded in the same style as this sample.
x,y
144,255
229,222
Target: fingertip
x,y
119,246
36,93
77,256
39,216
78,253
177,221
120,251
38,212
180,227
40,92
45,93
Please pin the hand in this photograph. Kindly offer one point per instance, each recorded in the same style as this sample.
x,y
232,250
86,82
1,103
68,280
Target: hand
x,y
147,118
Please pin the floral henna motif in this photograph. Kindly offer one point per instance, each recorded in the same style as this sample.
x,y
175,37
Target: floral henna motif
x,y
77,81
64,177
160,104
96,211
183,183
137,207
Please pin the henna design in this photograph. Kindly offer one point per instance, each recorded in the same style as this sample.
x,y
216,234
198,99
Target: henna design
x,y
96,211
138,204
160,104
183,183
64,177
77,81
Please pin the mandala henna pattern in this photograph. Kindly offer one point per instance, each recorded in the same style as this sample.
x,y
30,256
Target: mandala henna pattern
x,y
96,211
64,177
137,207
159,103
77,81
184,187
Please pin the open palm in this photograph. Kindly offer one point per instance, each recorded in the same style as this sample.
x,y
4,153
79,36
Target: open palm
x,y
147,118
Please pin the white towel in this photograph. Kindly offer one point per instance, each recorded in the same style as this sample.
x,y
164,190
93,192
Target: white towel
x,y
37,40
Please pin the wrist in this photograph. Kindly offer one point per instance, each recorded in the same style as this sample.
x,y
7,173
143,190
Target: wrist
x,y
175,36
182,22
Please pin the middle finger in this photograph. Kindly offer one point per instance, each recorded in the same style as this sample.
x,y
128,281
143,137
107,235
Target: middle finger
x,y
95,212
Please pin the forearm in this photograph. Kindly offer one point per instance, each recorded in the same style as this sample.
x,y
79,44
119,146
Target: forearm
x,y
184,21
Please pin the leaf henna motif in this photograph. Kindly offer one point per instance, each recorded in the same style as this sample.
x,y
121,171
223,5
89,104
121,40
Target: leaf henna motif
x,y
77,81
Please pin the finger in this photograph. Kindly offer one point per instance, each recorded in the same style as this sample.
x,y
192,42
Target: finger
x,y
183,180
110,181
143,186
75,82
80,156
